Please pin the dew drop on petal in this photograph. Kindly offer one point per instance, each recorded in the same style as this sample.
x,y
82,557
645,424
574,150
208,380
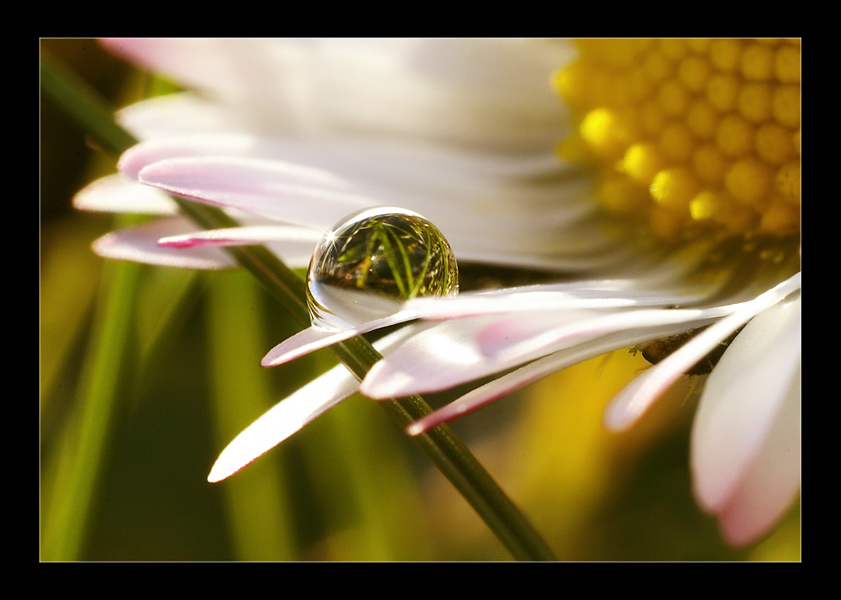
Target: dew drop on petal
x,y
371,261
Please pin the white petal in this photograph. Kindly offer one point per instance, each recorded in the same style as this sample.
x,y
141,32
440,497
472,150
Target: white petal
x,y
525,336
115,193
140,244
365,159
284,419
206,63
591,294
434,359
469,91
741,401
769,489
269,189
290,415
304,342
373,172
317,182
185,113
314,338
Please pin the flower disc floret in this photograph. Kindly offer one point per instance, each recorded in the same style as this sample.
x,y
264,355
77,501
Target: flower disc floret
x,y
705,132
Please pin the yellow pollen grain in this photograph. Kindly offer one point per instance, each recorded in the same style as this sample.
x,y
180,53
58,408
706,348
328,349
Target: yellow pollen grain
x,y
749,181
652,118
694,72
604,131
676,142
674,188
690,134
636,84
723,91
706,205
780,218
787,64
710,164
572,83
618,53
786,105
642,162
725,55
657,67
699,45
702,119
621,195
774,143
673,98
757,62
734,135
754,101
674,48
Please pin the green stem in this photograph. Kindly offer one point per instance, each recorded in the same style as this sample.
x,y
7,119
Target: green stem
x,y
450,455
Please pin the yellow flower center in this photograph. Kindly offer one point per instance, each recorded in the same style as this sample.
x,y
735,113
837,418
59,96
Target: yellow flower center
x,y
694,135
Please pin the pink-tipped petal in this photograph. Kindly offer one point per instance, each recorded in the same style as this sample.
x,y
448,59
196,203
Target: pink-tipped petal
x,y
243,236
140,244
488,393
741,406
770,487
521,377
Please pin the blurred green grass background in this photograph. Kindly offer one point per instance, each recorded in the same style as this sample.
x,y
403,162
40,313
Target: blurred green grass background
x,y
167,389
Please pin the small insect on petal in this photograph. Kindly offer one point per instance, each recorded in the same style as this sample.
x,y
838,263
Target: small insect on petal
x,y
657,350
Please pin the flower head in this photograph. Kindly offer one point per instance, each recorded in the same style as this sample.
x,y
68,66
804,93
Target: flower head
x,y
695,136
675,207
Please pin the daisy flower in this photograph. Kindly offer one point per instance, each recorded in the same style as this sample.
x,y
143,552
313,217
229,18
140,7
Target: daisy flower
x,y
653,188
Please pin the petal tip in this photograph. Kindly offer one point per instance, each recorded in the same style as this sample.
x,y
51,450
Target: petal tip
x,y
415,429
216,474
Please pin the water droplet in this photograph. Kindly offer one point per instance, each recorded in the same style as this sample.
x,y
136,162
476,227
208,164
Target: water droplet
x,y
372,260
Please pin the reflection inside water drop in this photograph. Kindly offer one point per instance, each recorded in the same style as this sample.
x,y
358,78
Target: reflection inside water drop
x,y
372,260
